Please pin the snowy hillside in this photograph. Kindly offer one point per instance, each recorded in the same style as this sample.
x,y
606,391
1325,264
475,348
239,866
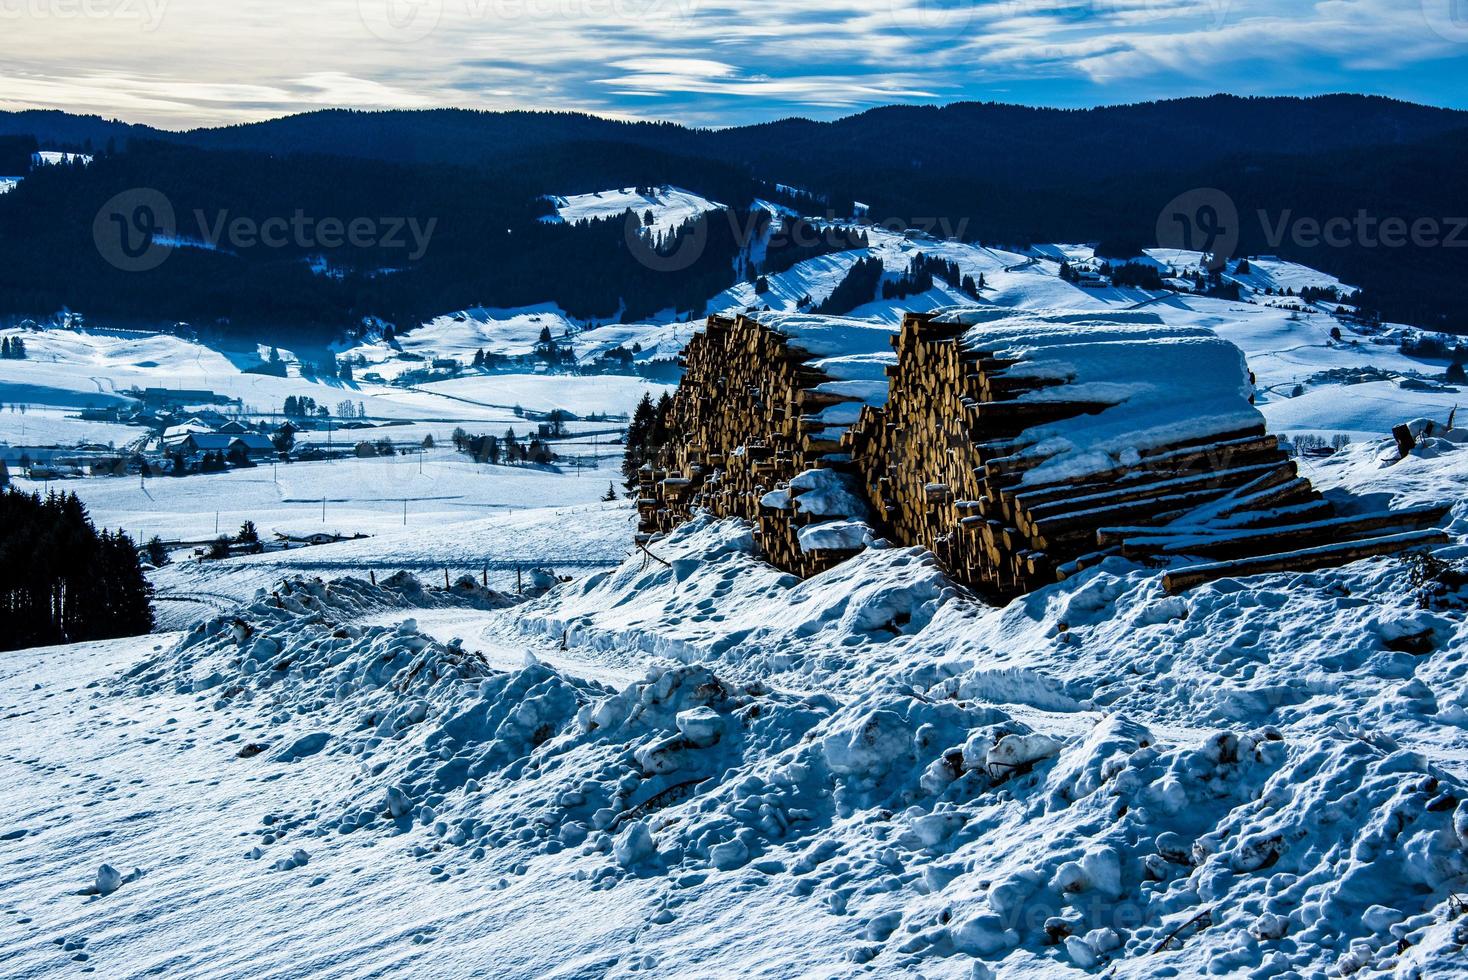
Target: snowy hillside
x,y
670,206
696,765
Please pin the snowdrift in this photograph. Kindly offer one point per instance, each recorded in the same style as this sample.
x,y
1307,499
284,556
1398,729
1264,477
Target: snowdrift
x,y
1256,780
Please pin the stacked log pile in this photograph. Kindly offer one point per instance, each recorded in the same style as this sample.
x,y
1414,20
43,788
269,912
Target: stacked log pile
x,y
1021,448
764,398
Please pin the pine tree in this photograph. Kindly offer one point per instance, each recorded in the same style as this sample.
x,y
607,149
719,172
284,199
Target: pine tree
x,y
611,493
76,583
635,451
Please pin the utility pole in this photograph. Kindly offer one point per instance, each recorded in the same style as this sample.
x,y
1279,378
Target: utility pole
x,y
323,510
405,512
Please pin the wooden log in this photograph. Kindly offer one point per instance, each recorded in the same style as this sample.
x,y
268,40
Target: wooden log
x,y
1237,544
1182,579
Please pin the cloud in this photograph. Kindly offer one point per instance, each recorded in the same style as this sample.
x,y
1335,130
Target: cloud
x,y
712,62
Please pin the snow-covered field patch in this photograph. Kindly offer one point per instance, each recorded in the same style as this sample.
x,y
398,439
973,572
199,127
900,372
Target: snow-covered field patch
x,y
669,206
691,764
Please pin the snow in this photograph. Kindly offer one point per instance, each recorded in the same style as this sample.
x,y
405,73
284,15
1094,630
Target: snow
x,y
46,158
670,207
849,350
701,766
364,495
1163,384
688,763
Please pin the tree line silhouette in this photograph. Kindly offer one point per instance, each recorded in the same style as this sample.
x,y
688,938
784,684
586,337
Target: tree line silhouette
x,y
63,581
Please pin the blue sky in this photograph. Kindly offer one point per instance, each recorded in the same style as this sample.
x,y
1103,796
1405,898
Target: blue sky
x,y
180,63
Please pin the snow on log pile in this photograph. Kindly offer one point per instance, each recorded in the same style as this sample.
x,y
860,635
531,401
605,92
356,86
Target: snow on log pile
x,y
1021,447
766,398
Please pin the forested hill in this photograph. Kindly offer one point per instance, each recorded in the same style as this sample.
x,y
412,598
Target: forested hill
x,y
989,172
987,139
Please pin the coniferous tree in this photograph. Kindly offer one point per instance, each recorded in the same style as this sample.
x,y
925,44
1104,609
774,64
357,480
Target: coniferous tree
x,y
62,581
635,451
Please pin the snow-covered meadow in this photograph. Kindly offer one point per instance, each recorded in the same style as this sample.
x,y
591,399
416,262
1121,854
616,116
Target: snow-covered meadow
x,y
698,765
683,762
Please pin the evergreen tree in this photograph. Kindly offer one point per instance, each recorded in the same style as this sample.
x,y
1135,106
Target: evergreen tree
x,y
157,552
635,451
284,438
61,581
611,493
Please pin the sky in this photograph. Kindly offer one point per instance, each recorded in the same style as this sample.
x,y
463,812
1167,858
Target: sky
x,y
185,63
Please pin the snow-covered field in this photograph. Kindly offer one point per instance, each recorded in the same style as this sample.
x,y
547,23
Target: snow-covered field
x,y
686,763
361,495
75,369
670,206
695,765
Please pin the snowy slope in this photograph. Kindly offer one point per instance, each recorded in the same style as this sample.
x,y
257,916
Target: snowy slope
x,y
699,766
361,495
670,207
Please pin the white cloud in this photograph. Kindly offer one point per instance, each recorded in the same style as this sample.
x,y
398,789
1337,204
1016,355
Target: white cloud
x,y
706,61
